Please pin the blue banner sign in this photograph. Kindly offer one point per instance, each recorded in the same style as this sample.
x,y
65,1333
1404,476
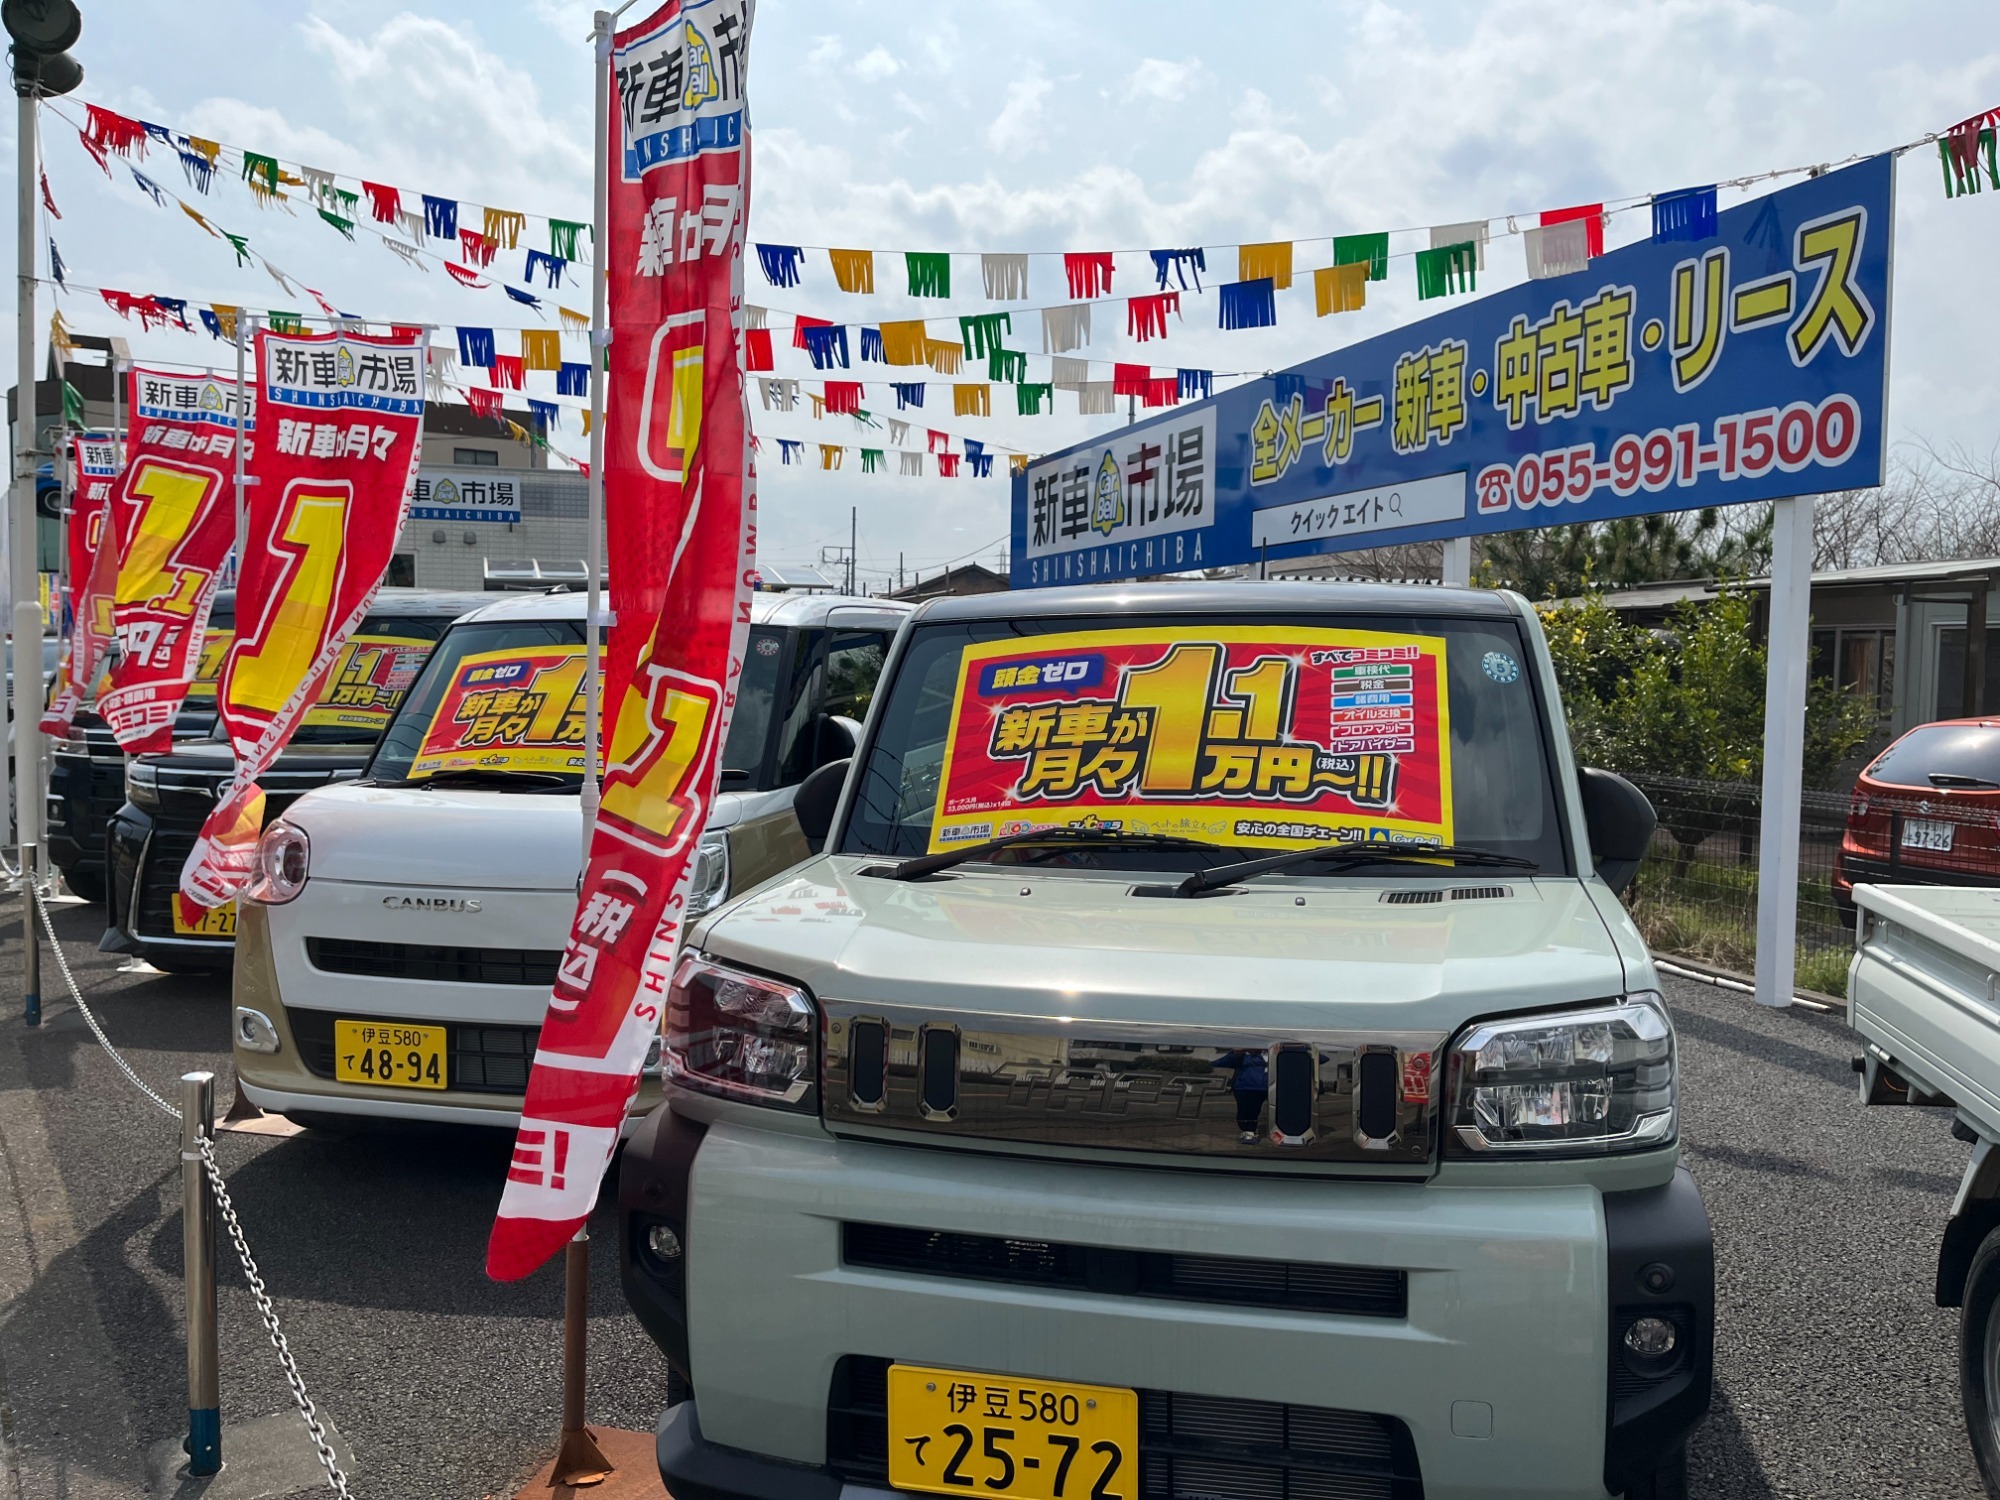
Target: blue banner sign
x,y
1664,376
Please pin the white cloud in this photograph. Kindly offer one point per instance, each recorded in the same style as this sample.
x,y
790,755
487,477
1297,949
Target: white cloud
x,y
825,55
1019,128
876,64
1169,82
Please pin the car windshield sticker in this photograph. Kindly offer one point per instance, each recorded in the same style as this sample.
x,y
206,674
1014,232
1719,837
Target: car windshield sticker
x,y
214,647
518,710
1501,667
1263,736
368,680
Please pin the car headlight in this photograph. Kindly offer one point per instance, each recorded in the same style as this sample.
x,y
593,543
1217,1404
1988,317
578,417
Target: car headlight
x,y
1568,1083
739,1035
709,887
279,868
142,783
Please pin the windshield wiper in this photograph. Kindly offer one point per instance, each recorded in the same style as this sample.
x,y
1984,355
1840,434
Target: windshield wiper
x,y
1071,837
1350,852
470,776
1958,778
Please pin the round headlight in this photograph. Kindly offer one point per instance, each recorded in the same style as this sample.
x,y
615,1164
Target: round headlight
x,y
283,857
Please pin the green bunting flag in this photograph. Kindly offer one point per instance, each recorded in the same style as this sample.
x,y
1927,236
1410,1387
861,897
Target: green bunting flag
x,y
72,406
930,273
981,333
1030,399
286,322
241,244
1007,364
1446,269
1962,167
563,235
1352,249
345,226
261,168
871,460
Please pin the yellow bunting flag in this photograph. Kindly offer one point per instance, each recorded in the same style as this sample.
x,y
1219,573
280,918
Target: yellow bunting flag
x,y
225,317
503,226
818,405
516,431
541,349
975,400
854,270
1338,289
586,421
904,343
830,455
207,149
575,322
60,339
943,357
1255,262
1017,463
192,214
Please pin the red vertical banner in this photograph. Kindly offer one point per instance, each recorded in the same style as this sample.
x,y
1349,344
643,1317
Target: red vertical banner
x,y
344,417
174,513
680,510
92,567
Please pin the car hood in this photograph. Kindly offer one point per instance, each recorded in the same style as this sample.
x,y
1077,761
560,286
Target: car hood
x,y
1301,953
469,838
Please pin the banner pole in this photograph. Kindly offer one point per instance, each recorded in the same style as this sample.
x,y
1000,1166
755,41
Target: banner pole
x,y
600,341
25,618
242,408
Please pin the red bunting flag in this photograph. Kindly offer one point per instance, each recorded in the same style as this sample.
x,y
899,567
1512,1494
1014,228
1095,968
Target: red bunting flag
x,y
843,397
508,372
937,442
334,465
1592,215
1146,317
1130,380
801,323
680,508
1164,391
948,465
484,403
93,576
1088,272
757,349
465,276
173,512
383,202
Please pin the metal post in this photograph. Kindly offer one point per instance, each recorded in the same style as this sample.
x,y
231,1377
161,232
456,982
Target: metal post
x,y
579,1461
1457,571
852,533
600,340
242,415
26,616
1974,697
1788,642
204,1441
31,946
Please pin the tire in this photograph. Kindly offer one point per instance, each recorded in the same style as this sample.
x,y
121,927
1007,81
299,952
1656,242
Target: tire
x,y
1669,1480
1979,1360
87,884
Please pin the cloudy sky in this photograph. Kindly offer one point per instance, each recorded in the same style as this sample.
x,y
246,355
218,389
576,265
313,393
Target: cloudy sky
x,y
1031,126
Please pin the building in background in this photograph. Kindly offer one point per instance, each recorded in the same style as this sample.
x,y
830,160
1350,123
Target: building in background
x,y
966,578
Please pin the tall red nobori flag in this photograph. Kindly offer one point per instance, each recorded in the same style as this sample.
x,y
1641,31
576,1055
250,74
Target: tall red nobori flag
x,y
92,548
174,511
680,504
343,430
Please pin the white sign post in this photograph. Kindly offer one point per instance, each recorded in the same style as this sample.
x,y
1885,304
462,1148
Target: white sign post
x,y
1788,644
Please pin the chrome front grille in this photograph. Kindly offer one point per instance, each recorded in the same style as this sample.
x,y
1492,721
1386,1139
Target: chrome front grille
x,y
1364,1098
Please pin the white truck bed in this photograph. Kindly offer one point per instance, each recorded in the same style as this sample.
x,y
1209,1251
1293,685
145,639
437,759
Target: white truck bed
x,y
1924,992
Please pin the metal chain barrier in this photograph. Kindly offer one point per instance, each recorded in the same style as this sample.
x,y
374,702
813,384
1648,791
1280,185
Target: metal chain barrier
x,y
308,1412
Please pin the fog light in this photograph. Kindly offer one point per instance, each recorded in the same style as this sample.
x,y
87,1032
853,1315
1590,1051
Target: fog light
x,y
254,1031
1649,1338
663,1242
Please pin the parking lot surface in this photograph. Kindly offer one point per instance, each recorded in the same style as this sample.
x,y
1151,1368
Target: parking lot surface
x,y
1836,1374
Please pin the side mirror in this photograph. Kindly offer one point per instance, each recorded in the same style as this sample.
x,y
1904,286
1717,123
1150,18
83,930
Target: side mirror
x,y
1620,822
817,797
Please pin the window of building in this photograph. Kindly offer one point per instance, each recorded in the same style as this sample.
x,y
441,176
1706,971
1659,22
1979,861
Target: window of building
x,y
1864,660
402,572
476,458
1951,702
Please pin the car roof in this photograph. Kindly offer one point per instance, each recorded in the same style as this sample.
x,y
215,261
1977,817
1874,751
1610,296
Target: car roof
x,y
447,603
765,608
1223,598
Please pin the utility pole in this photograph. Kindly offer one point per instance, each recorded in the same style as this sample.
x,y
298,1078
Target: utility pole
x,y
851,534
899,572
43,31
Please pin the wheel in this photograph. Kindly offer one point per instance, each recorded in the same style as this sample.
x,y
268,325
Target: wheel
x,y
1979,1360
1669,1480
87,884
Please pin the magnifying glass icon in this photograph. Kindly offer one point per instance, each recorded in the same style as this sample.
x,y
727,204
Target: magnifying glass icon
x,y
1396,501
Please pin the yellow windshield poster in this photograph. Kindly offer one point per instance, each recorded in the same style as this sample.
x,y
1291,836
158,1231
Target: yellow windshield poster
x,y
1270,735
214,647
367,681
517,710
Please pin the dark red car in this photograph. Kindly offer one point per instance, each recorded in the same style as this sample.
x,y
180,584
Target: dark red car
x,y
1926,811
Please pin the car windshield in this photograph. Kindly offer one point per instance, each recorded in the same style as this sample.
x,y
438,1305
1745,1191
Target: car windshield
x,y
1256,733
360,693
1968,754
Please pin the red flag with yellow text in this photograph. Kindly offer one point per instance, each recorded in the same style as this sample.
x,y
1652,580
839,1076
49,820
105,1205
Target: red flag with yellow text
x,y
679,510
343,431
93,575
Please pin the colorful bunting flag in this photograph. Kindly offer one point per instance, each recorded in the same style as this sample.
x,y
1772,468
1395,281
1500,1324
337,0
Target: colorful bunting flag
x,y
871,345
1065,328
843,397
146,185
789,450
475,347
1338,289
1558,249
1371,250
541,349
830,455
756,351
547,414
1248,304
1146,317
284,322
929,272
199,169
871,460
935,441
780,263
383,202
1687,214
1096,398
484,403
552,267
1590,215
903,342
258,168
1195,383
1164,391
1130,380
345,226
573,377
475,248
503,226
1007,365
981,332
1267,262
463,275
1474,230
526,299
826,345
910,465
1069,373
576,322
1029,399
564,236
909,393
802,325
972,400
1446,269
1088,272
110,131
1005,277
506,372
853,270
947,465
942,357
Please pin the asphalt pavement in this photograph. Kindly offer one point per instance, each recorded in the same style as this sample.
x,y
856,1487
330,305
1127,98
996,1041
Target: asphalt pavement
x,y
1836,1374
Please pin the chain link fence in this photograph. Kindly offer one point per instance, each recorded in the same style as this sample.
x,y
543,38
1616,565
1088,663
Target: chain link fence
x,y
1696,895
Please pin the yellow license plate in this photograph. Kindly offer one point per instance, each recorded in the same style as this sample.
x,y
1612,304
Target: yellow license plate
x,y
954,1432
216,922
385,1053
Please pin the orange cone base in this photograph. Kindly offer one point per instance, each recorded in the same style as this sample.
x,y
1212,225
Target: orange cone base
x,y
625,1461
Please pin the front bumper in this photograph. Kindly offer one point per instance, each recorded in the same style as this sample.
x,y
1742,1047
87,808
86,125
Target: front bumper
x,y
145,860
1502,1376
84,792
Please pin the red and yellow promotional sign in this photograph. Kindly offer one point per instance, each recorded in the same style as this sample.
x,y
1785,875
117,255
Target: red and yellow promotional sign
x,y
174,511
680,499
367,682
215,643
519,710
343,415
93,577
1272,735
